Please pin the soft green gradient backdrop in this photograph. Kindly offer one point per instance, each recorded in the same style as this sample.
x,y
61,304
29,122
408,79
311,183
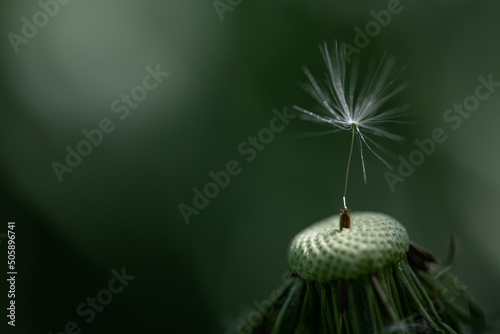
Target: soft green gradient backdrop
x,y
119,208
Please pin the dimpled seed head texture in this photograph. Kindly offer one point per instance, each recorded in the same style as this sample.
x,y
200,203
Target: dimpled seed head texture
x,y
323,253
367,278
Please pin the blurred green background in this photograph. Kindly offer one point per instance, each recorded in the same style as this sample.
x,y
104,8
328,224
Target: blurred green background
x,y
119,207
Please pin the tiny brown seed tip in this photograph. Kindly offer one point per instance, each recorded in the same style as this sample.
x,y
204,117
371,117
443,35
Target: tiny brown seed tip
x,y
345,219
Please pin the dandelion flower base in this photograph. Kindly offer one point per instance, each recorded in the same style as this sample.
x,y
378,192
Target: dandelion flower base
x,y
323,253
367,279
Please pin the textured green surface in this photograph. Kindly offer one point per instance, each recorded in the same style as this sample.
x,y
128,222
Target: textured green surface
x,y
322,253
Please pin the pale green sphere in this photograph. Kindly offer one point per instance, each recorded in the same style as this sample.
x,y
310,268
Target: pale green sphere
x,y
323,253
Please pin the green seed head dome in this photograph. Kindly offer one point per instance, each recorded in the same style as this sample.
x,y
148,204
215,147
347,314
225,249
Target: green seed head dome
x,y
323,253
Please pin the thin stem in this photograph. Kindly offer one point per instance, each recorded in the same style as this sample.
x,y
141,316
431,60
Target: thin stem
x,y
348,165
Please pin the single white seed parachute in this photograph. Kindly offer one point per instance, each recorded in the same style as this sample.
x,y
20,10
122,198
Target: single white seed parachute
x,y
345,105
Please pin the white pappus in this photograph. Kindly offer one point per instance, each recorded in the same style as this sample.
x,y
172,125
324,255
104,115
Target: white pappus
x,y
357,108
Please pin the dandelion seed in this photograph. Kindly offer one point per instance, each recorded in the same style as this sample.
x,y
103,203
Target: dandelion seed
x,y
347,106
